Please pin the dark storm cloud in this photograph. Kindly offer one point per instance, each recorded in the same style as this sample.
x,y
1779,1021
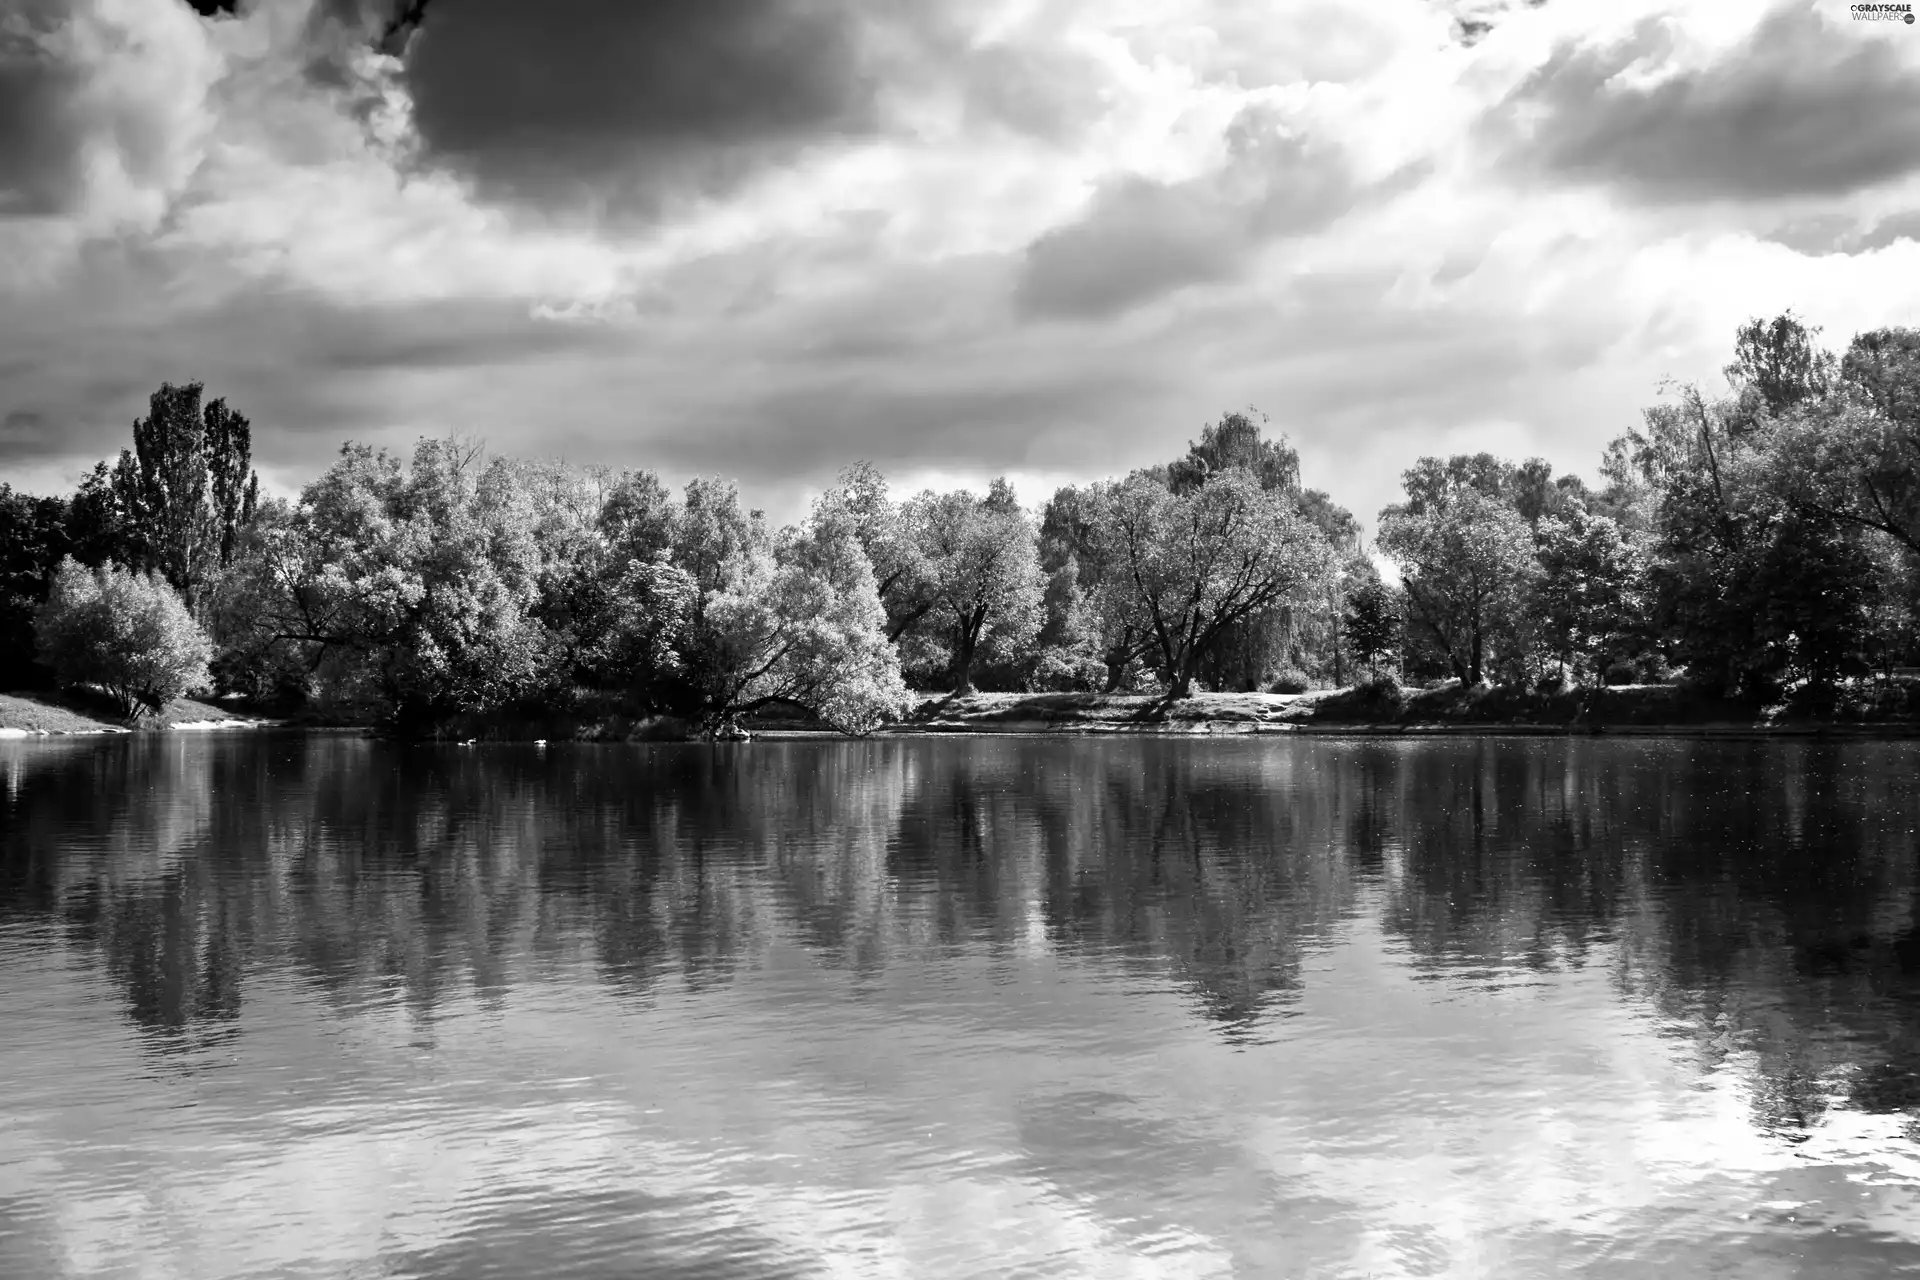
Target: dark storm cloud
x,y
1801,108
1820,237
567,101
310,372
1139,239
39,151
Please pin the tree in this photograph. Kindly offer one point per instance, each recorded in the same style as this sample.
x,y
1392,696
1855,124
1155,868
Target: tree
x,y
1101,618
1591,589
1465,557
859,500
127,633
1236,441
1190,566
983,570
34,539
795,619
415,586
799,622
185,490
1372,622
1776,365
1856,457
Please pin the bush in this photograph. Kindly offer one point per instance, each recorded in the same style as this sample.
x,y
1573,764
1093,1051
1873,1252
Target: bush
x,y
1291,680
1381,684
128,634
1622,673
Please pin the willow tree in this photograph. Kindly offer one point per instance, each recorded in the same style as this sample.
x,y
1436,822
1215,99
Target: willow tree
x,y
1190,566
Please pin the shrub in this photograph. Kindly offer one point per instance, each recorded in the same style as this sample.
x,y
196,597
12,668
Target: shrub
x,y
1553,682
1291,680
128,634
1622,673
1382,683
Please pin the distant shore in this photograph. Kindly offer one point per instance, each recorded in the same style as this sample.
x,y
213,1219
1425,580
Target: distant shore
x,y
1630,710
1619,711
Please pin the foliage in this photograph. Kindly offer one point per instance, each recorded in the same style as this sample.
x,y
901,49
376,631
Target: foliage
x,y
33,541
1466,560
185,491
1236,442
1591,589
1373,622
1766,541
983,570
128,634
860,500
1188,566
797,622
1291,680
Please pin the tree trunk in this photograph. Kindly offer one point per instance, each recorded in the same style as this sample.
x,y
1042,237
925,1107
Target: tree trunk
x,y
1181,686
1116,674
963,661
1475,665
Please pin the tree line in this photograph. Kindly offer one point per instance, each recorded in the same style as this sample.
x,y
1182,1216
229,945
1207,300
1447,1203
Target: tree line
x,y
1764,542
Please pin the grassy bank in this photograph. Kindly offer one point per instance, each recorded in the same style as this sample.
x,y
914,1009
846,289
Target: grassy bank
x,y
64,713
1449,708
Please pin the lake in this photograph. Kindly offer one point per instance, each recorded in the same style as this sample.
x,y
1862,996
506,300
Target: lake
x,y
282,1005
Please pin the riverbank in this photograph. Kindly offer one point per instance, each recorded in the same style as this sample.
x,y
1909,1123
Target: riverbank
x,y
1665,710
31,715
1656,710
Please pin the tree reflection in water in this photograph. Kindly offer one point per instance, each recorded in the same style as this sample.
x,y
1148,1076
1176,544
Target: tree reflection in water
x,y
1759,897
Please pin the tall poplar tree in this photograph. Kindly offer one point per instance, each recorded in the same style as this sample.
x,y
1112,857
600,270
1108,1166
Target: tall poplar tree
x,y
186,489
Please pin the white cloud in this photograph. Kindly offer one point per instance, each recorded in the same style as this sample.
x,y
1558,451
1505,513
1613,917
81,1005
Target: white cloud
x,y
860,301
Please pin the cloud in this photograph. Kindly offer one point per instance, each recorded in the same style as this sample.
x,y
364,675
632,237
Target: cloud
x,y
102,109
1046,237
1840,233
1140,238
310,371
579,100
1802,107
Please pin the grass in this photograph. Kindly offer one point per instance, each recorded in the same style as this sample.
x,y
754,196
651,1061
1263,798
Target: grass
x,y
82,712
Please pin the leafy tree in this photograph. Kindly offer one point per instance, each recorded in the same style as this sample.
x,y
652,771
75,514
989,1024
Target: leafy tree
x,y
1855,458
184,492
1372,622
1591,589
1100,617
860,501
34,539
1069,654
1537,494
1236,441
983,568
798,622
128,634
1192,565
418,585
1776,365
1465,557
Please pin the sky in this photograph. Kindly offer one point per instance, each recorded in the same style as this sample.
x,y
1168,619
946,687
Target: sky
x,y
1049,239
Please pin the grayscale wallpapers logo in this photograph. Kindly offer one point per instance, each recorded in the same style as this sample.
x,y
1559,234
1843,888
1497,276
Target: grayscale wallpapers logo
x,y
1883,13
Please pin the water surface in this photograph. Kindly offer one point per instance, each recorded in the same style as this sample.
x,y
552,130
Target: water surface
x,y
317,1006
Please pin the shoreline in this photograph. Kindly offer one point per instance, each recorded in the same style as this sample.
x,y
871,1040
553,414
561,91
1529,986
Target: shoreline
x,y
1622,712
